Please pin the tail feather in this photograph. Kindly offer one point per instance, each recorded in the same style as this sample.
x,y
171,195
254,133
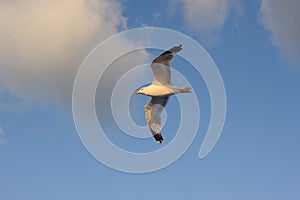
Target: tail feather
x,y
186,90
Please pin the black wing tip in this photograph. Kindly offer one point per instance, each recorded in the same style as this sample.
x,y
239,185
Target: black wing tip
x,y
166,52
169,53
177,46
158,137
176,49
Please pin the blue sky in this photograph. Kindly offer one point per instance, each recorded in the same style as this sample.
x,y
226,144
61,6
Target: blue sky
x,y
255,46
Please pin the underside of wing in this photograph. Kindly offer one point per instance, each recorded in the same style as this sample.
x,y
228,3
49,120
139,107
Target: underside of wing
x,y
153,110
161,73
161,66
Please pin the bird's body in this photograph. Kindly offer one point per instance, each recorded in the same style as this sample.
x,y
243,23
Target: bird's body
x,y
155,90
160,90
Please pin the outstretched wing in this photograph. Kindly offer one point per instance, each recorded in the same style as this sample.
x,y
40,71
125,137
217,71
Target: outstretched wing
x,y
153,110
161,66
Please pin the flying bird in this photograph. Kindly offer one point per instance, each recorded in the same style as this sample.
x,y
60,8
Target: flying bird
x,y
160,90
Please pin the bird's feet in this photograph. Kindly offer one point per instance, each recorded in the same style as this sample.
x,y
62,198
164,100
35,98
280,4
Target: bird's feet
x,y
158,137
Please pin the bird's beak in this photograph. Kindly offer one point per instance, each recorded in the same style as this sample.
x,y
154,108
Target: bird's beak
x,y
136,93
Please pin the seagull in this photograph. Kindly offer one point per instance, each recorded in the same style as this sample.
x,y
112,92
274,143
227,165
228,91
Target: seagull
x,y
160,90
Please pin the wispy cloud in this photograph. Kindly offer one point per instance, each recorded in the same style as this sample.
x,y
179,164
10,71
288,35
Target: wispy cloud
x,y
281,18
44,42
3,139
237,7
202,16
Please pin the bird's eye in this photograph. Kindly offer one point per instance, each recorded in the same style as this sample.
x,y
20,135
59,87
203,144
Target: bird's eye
x,y
142,89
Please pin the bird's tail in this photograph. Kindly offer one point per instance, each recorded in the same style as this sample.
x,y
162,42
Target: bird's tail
x,y
185,89
158,137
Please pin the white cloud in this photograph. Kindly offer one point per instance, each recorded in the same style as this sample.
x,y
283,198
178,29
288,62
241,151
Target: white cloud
x,y
237,7
3,140
204,16
281,18
44,42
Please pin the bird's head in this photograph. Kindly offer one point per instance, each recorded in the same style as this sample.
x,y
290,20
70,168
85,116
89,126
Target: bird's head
x,y
143,91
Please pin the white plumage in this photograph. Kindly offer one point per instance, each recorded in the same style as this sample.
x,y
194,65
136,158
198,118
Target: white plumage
x,y
160,90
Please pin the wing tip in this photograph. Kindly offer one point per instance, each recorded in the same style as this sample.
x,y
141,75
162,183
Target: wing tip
x,y
158,137
176,49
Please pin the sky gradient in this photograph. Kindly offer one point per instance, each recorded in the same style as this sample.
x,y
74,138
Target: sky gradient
x,y
255,45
